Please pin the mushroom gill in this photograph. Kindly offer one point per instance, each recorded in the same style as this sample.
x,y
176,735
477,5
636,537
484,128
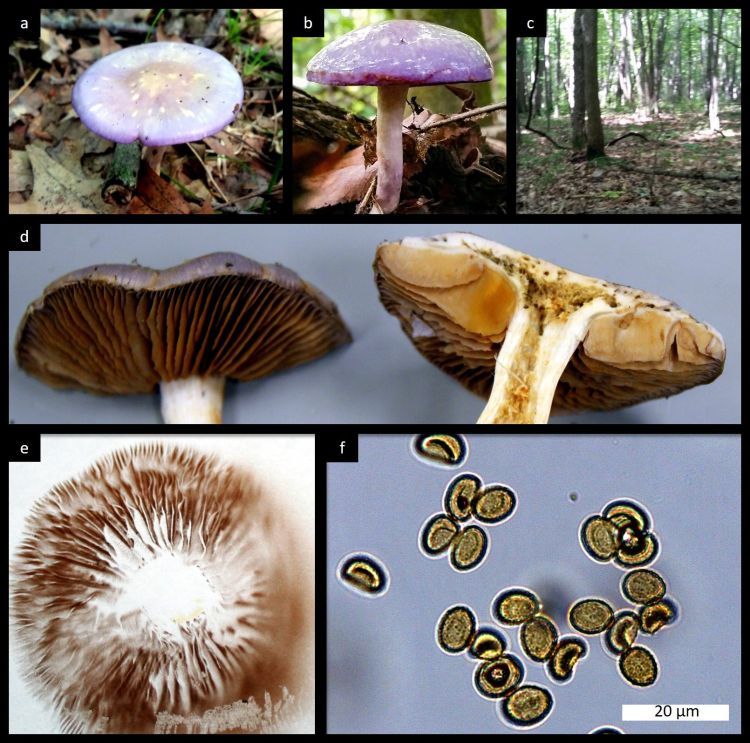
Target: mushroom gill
x,y
535,338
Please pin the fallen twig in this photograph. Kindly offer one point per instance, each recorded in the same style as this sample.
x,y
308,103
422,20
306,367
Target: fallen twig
x,y
546,136
24,86
208,173
363,205
481,111
83,25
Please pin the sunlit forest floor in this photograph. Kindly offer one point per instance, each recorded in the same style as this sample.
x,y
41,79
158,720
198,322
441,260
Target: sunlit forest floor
x,y
559,181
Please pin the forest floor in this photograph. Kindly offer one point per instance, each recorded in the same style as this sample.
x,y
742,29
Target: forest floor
x,y
58,166
559,181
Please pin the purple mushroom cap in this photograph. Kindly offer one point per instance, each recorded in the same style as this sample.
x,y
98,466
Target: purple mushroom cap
x,y
401,53
161,93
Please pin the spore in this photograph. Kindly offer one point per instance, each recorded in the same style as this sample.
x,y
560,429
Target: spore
x,y
643,586
488,644
455,629
443,450
364,574
460,494
568,652
591,616
496,678
494,503
526,707
638,666
538,637
468,549
514,606
436,535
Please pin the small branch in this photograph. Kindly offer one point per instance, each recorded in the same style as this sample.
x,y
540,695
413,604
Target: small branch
x,y
546,136
24,86
489,173
82,25
208,173
629,134
481,111
719,36
362,206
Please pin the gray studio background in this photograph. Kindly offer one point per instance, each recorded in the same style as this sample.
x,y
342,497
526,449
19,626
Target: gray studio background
x,y
385,672
380,378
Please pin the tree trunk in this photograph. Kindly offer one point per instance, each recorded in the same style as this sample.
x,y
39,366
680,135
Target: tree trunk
x,y
521,76
690,54
559,79
623,67
438,98
547,81
635,65
713,70
645,93
538,79
609,22
594,132
578,114
677,87
661,40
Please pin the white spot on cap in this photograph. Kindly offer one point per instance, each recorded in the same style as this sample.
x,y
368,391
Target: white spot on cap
x,y
96,107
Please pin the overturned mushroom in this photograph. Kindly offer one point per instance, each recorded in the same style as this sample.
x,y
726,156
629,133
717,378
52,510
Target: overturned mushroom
x,y
394,56
124,329
535,338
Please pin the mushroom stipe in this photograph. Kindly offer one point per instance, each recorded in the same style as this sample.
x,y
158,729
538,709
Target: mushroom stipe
x,y
124,329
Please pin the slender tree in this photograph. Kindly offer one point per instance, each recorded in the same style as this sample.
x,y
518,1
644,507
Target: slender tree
x,y
578,114
594,131
521,76
712,70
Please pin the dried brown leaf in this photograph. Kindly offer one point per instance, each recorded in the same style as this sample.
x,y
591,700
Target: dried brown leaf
x,y
153,195
57,190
